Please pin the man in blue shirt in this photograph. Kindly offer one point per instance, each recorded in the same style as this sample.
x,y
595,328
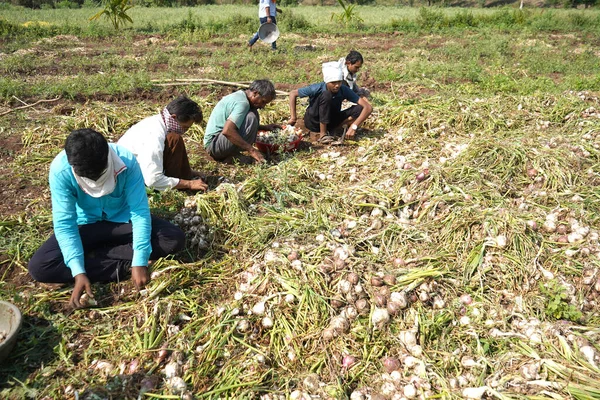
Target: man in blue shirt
x,y
324,112
103,229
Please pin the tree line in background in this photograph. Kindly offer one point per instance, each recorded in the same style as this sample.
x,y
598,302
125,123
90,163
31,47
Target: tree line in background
x,y
182,3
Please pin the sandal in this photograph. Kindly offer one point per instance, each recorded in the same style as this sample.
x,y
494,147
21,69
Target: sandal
x,y
326,139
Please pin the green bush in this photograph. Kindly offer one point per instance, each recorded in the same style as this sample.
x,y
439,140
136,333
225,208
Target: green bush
x,y
507,18
291,22
431,19
189,24
8,29
66,4
579,20
464,19
90,4
402,24
288,3
546,21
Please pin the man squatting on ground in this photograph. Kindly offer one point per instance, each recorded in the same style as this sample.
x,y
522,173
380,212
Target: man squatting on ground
x,y
103,229
234,122
351,64
267,11
157,143
324,112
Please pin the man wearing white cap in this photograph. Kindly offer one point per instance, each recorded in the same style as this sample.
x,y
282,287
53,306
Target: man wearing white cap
x,y
324,112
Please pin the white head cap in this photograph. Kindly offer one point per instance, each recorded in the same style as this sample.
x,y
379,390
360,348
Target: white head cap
x,y
332,72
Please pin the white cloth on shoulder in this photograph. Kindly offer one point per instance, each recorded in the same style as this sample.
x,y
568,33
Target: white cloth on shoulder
x,y
349,77
107,181
332,72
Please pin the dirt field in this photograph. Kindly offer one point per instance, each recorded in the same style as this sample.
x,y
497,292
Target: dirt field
x,y
468,200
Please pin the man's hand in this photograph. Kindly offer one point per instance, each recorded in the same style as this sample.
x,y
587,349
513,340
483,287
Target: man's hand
x,y
350,132
140,277
257,155
193,184
292,121
269,20
198,184
82,284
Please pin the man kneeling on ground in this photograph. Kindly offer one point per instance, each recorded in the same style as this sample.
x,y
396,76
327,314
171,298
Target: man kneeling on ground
x,y
157,143
324,113
103,230
234,122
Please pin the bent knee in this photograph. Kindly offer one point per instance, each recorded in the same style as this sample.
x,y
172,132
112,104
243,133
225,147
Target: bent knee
x,y
173,240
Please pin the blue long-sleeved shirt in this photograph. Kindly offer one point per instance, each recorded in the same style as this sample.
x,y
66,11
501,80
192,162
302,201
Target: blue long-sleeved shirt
x,y
72,207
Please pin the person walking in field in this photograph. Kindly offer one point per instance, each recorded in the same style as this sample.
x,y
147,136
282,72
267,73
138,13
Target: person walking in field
x,y
157,142
234,122
267,13
103,230
324,113
351,64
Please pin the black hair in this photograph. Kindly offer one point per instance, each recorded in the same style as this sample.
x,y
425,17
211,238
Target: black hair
x,y
87,153
185,109
263,87
354,56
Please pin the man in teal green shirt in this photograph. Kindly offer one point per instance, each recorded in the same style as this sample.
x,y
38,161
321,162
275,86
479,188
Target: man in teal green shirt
x,y
234,122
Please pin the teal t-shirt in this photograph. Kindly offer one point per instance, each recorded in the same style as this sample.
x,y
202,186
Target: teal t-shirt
x,y
234,107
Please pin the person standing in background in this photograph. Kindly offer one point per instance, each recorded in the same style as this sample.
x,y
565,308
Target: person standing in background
x,y
267,11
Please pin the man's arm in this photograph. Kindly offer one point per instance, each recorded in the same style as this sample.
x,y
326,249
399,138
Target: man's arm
x,y
269,127
64,217
268,11
366,111
293,96
230,131
141,224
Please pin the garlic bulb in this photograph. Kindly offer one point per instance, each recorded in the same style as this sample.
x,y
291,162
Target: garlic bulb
x,y
380,317
345,286
474,393
259,308
267,322
407,338
340,324
410,391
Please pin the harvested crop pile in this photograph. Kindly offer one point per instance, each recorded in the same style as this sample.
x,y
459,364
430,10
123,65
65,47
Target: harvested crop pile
x,y
451,250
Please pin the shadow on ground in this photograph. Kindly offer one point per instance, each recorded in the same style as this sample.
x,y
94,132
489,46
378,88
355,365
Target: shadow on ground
x,y
34,349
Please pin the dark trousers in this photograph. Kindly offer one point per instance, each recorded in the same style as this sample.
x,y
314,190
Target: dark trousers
x,y
326,110
175,159
108,251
